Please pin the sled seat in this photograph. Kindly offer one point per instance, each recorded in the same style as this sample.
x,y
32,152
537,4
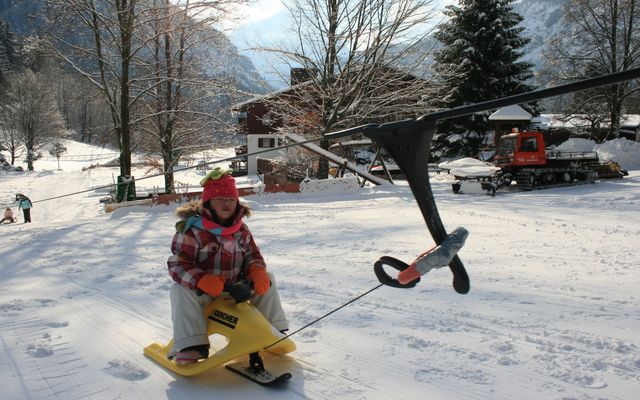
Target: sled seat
x,y
244,327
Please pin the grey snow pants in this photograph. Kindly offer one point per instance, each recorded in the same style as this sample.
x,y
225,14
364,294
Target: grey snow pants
x,y
190,323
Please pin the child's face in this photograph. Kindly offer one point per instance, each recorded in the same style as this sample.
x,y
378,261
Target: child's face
x,y
224,207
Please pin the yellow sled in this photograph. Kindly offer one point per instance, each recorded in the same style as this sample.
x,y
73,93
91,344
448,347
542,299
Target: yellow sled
x,y
245,329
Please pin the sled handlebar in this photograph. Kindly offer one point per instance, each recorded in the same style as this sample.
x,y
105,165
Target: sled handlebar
x,y
385,279
239,291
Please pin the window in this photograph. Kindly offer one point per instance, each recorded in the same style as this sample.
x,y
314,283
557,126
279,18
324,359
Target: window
x,y
529,145
506,146
266,143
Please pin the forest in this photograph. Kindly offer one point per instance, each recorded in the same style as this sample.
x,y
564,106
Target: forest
x,y
157,76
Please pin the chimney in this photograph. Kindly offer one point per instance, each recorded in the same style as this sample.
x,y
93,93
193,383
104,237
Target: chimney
x,y
299,75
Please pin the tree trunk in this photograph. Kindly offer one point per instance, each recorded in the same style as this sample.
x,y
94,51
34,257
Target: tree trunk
x,y
126,20
330,64
168,162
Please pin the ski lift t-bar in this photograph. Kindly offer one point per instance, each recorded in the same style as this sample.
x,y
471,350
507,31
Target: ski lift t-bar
x,y
409,141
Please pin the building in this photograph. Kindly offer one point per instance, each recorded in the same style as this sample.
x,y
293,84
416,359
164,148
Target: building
x,y
559,127
263,118
507,118
576,124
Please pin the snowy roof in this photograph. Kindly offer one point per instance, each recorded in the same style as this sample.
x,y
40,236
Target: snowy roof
x,y
510,113
469,167
269,95
577,121
361,142
555,121
630,120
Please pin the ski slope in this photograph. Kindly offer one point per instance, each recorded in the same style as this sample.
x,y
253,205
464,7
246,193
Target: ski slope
x,y
553,311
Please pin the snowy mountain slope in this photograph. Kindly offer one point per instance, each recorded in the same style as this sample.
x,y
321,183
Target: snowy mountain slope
x,y
542,19
26,17
553,311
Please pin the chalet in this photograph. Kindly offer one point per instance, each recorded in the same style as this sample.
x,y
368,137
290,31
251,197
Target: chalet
x,y
557,127
630,127
258,120
262,119
629,124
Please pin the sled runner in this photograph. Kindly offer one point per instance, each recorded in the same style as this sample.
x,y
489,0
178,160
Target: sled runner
x,y
255,372
245,329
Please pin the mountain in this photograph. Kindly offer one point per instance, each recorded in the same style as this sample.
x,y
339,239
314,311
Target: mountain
x,y
542,19
20,14
25,17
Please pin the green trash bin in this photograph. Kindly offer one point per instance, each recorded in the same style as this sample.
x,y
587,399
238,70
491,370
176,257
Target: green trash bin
x,y
126,189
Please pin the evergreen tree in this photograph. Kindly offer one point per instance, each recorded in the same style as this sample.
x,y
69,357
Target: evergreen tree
x,y
478,62
8,53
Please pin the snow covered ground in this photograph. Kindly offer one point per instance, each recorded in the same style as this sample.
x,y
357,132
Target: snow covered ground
x,y
553,311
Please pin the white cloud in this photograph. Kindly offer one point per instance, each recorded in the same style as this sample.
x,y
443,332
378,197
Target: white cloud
x,y
254,12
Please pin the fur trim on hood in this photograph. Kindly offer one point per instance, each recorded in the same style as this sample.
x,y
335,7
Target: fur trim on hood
x,y
195,207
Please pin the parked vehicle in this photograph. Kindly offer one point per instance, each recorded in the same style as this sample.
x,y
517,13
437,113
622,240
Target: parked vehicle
x,y
526,164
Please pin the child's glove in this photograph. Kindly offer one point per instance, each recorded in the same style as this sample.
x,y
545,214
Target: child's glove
x,y
211,284
260,279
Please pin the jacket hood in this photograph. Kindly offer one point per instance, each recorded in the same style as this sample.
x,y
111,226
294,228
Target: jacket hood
x,y
195,207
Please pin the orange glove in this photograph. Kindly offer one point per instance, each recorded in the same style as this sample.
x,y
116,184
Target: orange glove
x,y
260,279
211,284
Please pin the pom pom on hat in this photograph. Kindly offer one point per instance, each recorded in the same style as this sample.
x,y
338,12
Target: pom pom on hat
x,y
219,183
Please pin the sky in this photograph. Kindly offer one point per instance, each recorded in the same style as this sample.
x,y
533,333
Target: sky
x,y
553,311
263,10
265,23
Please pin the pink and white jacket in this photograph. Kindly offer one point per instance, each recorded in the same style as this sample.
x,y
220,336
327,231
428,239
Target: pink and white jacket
x,y
201,246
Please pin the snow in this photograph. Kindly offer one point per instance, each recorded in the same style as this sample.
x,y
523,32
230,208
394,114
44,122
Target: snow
x,y
560,121
553,311
468,167
510,113
621,150
625,152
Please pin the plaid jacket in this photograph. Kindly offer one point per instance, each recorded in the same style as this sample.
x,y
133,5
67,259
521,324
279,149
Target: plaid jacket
x,y
197,252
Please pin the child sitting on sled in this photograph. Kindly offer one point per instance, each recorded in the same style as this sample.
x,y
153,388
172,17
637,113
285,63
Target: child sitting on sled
x,y
212,246
8,216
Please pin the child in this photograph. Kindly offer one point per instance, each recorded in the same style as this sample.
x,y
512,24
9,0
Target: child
x,y
8,216
25,204
212,246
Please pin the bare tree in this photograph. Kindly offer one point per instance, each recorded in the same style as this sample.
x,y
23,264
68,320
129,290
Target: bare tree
x,y
37,120
363,59
98,38
180,95
86,112
138,54
9,134
80,102
601,36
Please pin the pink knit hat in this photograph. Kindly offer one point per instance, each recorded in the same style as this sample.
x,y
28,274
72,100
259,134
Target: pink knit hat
x,y
219,184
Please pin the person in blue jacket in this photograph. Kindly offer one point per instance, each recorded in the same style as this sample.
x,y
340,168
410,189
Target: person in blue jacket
x,y
25,204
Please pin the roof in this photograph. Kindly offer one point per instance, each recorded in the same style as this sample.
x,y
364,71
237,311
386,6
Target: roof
x,y
362,142
630,120
269,95
510,113
561,121
276,93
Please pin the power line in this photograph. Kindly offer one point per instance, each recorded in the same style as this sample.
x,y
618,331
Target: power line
x,y
112,185
325,315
